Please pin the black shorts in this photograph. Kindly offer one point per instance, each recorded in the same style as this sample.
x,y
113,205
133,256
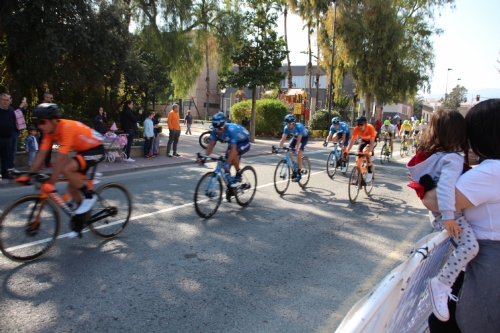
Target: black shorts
x,y
241,147
407,133
363,144
89,158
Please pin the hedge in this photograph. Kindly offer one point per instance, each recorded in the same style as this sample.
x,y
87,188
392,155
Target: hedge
x,y
269,115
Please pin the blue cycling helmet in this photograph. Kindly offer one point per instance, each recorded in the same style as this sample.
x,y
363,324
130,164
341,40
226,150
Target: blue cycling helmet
x,y
335,120
289,118
218,120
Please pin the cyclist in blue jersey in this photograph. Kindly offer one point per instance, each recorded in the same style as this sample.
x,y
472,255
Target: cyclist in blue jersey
x,y
238,141
337,132
300,138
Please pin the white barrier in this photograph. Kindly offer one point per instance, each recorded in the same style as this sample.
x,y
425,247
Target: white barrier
x,y
400,302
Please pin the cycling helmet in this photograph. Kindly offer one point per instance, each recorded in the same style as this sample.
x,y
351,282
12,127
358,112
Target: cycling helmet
x,y
335,120
406,122
46,111
423,120
387,122
417,122
289,118
361,120
218,120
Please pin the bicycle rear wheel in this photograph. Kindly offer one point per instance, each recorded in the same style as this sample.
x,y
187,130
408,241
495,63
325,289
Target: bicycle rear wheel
x,y
306,172
354,183
29,228
383,156
331,164
369,186
281,177
245,192
111,213
208,195
402,149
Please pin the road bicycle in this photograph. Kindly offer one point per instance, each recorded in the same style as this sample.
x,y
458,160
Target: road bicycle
x,y
405,146
208,194
385,152
335,161
358,176
414,146
286,167
30,225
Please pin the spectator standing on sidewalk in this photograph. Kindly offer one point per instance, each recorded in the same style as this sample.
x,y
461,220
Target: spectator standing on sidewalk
x,y
188,120
7,125
31,145
155,147
378,126
47,98
129,125
15,134
99,120
174,128
149,134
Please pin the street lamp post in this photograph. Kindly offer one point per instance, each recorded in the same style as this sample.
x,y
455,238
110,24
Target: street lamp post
x,y
458,80
446,93
223,92
330,93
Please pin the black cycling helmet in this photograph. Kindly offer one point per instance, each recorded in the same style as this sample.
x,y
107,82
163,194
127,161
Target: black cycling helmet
x,y
335,120
289,118
219,120
46,111
361,120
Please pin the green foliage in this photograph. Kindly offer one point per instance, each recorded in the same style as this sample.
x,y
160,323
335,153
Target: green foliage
x,y
455,97
319,121
269,115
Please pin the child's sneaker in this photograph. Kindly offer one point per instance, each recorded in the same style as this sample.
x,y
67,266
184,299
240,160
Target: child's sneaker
x,y
439,298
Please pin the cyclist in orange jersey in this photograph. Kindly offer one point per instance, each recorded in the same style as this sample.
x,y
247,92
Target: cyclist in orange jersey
x,y
71,135
367,133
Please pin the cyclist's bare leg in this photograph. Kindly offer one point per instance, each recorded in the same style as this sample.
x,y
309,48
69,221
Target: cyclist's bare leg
x,y
75,181
299,157
233,159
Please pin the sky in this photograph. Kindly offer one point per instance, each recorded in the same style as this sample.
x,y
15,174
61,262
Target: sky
x,y
470,46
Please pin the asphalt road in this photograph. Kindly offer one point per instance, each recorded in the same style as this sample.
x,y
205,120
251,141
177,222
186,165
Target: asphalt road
x,y
291,263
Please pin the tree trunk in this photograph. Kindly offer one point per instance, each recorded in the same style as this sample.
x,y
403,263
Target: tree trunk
x,y
368,101
317,67
309,66
354,105
208,81
252,117
290,83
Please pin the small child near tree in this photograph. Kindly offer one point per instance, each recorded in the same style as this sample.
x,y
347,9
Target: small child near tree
x,y
31,145
438,163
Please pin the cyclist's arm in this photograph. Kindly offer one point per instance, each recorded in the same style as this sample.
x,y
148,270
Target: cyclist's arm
x,y
210,147
330,136
283,138
58,167
39,159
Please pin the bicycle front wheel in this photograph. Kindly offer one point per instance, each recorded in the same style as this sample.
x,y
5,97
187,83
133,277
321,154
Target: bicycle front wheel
x,y
306,172
245,192
29,227
345,164
281,177
402,149
354,183
111,213
208,195
331,164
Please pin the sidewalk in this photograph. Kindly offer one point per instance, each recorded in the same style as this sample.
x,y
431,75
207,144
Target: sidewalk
x,y
188,147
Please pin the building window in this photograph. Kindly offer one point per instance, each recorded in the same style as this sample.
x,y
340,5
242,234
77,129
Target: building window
x,y
212,105
322,82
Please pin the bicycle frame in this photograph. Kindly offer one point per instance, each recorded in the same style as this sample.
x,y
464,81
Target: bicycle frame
x,y
212,185
290,163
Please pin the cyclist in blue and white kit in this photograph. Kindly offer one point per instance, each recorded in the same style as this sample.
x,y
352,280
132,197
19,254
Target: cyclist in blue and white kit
x,y
337,131
238,141
300,138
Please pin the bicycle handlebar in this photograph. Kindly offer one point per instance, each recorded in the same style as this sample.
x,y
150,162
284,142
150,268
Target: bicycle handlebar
x,y
213,158
276,149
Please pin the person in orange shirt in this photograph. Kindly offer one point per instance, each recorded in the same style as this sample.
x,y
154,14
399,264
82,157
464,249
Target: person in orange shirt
x,y
367,133
174,128
71,136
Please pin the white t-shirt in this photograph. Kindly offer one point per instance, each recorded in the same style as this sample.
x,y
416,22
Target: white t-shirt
x,y
480,186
